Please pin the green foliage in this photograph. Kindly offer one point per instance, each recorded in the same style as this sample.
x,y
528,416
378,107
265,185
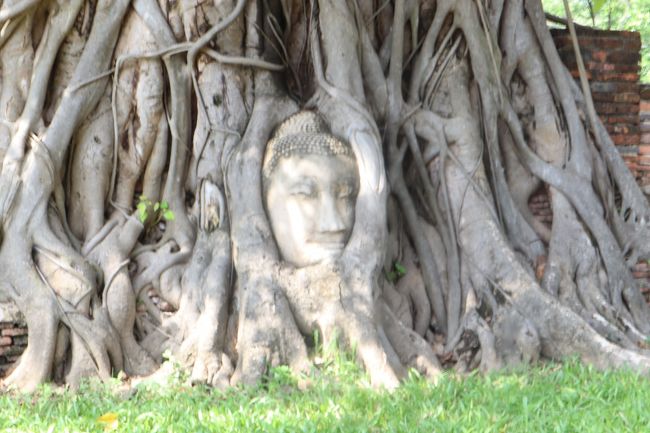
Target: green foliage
x,y
396,273
336,397
597,5
613,15
151,213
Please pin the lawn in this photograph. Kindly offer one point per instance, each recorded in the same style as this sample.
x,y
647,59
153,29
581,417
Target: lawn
x,y
337,398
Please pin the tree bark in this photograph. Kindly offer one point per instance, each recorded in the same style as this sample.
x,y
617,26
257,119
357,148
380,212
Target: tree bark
x,y
133,217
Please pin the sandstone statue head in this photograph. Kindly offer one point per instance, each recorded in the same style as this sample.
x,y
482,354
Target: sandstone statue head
x,y
310,183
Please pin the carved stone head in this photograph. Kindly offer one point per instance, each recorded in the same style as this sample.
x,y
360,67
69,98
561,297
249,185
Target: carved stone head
x,y
310,182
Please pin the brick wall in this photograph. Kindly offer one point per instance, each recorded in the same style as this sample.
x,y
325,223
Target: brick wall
x,y
642,269
13,336
611,61
643,165
13,340
612,65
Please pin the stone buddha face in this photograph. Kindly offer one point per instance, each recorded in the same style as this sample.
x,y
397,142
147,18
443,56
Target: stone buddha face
x,y
310,188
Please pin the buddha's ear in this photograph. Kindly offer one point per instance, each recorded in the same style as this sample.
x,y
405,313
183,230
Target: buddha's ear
x,y
369,159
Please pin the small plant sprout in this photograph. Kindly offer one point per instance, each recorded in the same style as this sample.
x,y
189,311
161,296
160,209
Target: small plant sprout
x,y
151,213
396,273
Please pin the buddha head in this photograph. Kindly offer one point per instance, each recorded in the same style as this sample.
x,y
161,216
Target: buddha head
x,y
310,182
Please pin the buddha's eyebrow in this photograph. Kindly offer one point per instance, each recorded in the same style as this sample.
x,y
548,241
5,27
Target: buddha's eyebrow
x,y
304,181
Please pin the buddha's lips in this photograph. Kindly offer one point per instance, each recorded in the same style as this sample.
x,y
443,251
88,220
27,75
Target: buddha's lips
x,y
329,244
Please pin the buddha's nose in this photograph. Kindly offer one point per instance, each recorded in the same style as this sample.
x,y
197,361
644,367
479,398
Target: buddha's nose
x,y
330,219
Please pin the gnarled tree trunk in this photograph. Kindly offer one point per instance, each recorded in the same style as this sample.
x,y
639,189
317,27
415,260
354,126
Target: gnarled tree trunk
x,y
133,135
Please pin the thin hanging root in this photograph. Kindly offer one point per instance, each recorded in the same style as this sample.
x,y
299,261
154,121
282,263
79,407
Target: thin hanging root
x,y
203,41
428,265
586,91
455,297
165,53
434,82
242,61
59,23
11,11
431,66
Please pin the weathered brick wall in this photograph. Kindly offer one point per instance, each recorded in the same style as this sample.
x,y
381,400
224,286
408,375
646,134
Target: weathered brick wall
x,y
642,269
13,340
13,336
612,65
643,163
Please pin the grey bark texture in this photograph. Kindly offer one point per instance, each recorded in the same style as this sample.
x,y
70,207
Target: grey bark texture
x,y
132,137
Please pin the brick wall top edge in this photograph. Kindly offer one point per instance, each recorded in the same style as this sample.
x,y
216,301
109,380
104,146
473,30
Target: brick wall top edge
x,y
590,31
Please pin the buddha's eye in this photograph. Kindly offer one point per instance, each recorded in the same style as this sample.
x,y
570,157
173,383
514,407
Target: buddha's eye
x,y
303,191
345,190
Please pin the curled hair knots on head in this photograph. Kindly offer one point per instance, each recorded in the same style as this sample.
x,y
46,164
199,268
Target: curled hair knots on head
x,y
304,133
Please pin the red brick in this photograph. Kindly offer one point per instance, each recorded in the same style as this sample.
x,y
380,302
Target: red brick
x,y
625,56
623,118
601,67
599,56
11,350
621,129
645,139
5,341
644,150
625,139
12,332
632,43
625,74
616,108
576,74
631,97
644,106
613,87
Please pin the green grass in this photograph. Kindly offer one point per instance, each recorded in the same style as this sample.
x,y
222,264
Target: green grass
x,y
553,398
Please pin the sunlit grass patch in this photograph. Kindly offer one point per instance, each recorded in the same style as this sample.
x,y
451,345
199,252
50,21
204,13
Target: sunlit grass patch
x,y
336,397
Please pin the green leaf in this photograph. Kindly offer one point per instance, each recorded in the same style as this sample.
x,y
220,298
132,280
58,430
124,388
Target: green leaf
x,y
142,212
164,205
156,207
168,215
401,270
598,5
